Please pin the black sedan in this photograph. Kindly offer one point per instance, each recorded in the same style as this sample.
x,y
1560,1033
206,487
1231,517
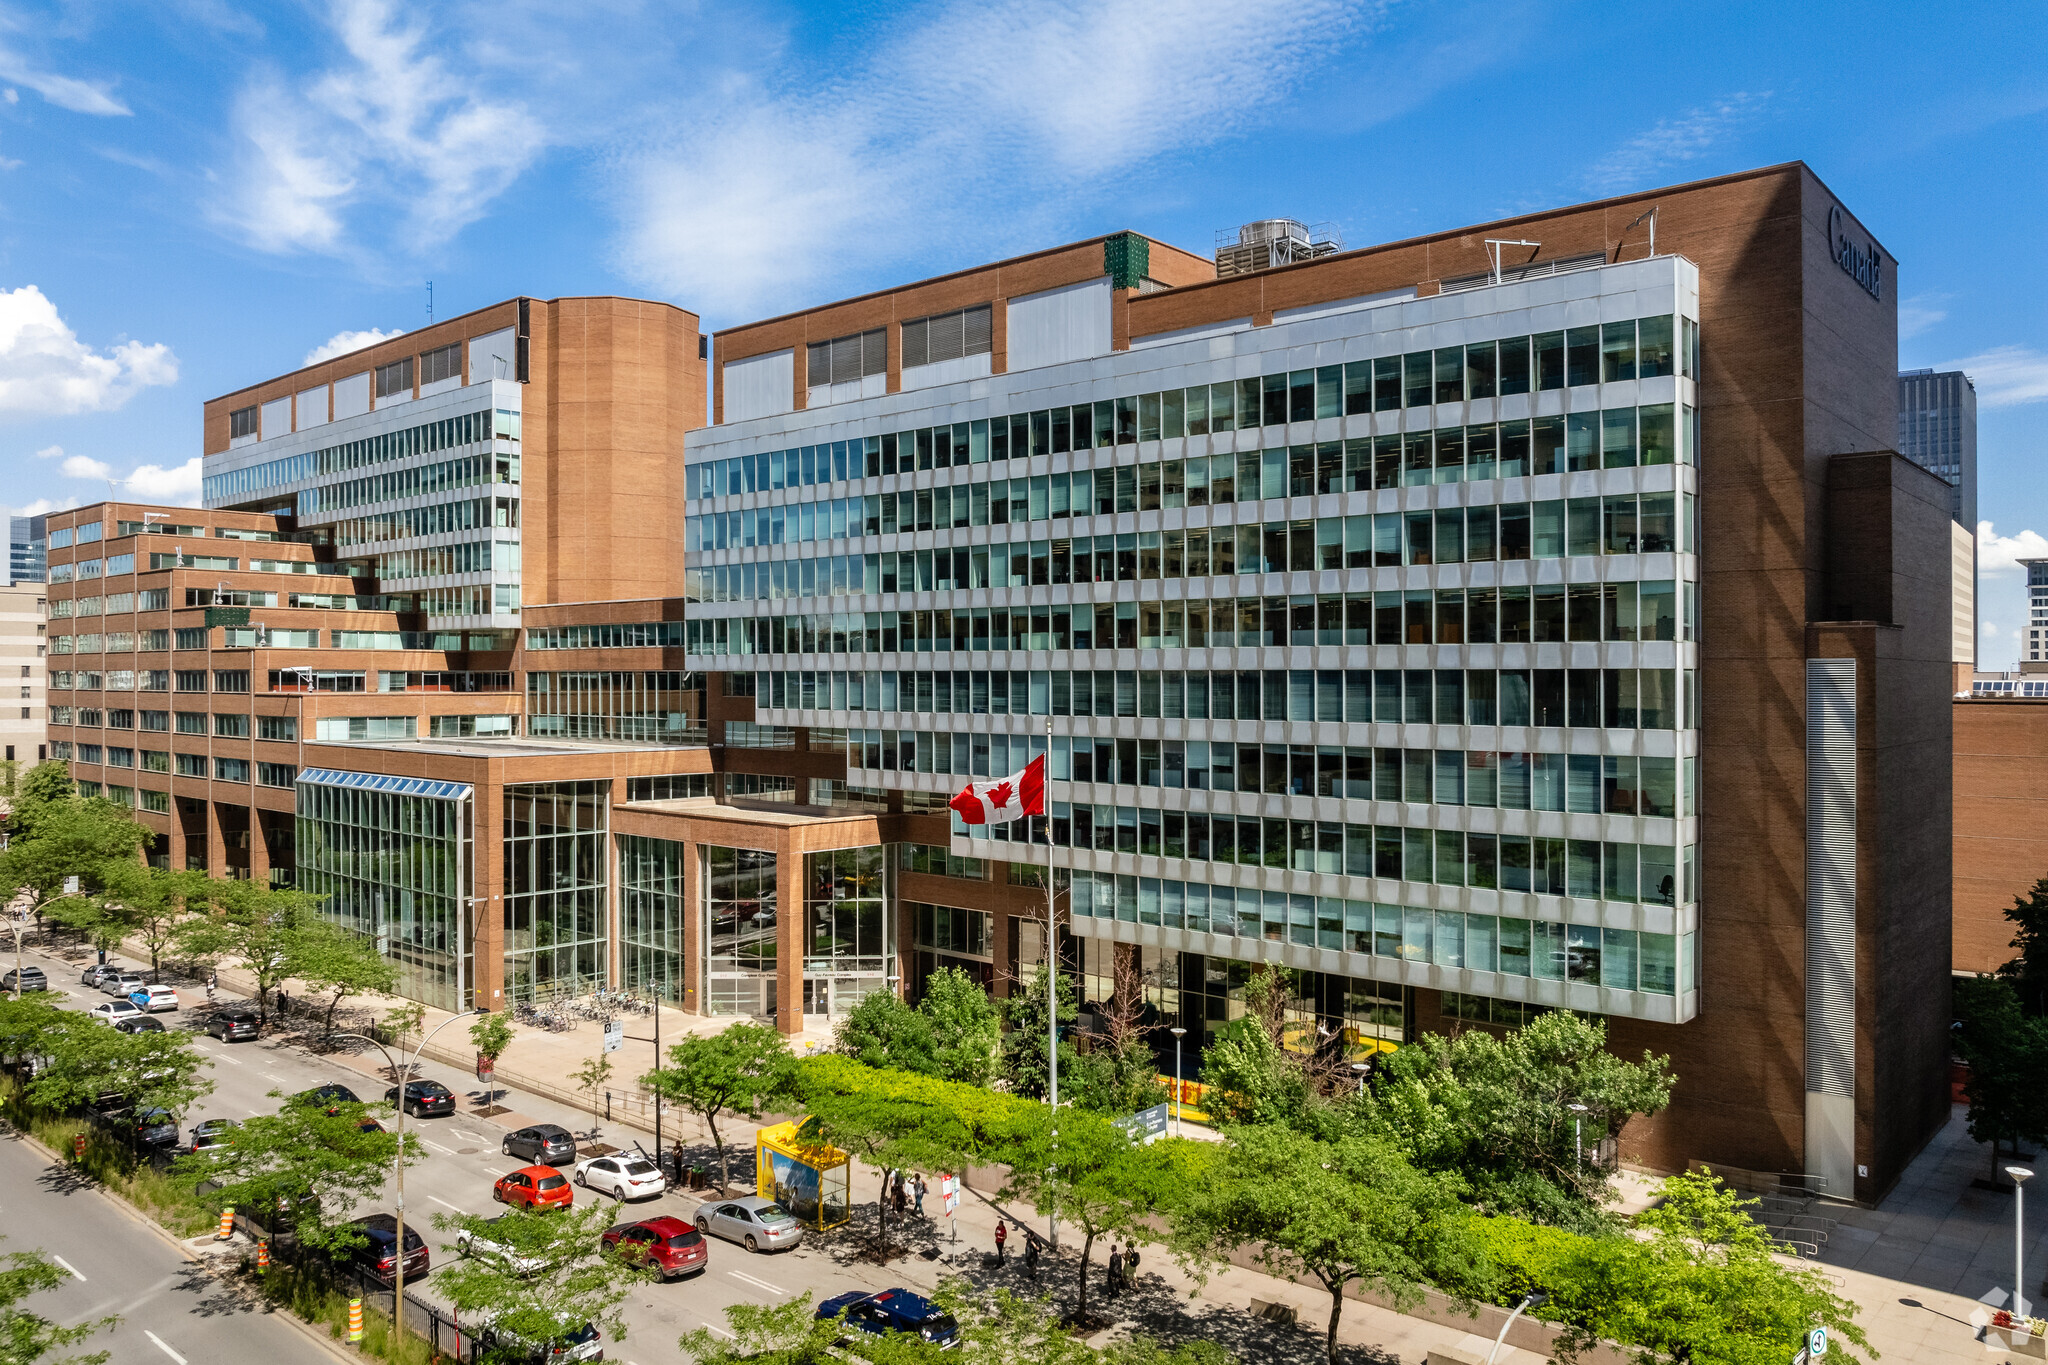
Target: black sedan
x,y
544,1143
329,1097
139,1023
424,1099
376,1252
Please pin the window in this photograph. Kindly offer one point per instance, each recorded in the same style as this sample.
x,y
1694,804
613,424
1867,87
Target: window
x,y
191,680
231,769
153,599
946,336
846,359
231,680
276,774
334,728
192,638
191,765
284,728
231,725
191,722
445,363
395,379
159,802
465,727
241,422
155,761
155,720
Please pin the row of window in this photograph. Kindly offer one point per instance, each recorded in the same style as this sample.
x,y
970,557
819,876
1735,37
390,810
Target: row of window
x,y
232,725
1578,357
254,637
468,428
88,532
220,769
477,556
1540,614
440,519
152,680
1611,698
300,679
1544,950
620,635
935,861
420,481
113,604
1579,442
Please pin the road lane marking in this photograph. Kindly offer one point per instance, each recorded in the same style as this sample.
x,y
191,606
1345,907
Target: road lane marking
x,y
758,1284
162,1347
444,1203
445,1151
721,1331
256,1113
273,1076
223,1057
68,1266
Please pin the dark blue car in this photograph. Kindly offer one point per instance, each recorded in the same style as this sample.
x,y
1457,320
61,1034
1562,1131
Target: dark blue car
x,y
894,1310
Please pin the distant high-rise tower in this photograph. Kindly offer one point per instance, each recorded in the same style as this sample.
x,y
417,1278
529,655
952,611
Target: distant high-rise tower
x,y
26,551
1938,432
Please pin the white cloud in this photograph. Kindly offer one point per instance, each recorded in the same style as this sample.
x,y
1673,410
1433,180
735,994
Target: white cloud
x,y
2005,376
43,507
46,370
389,128
83,97
85,467
178,484
341,343
1675,141
1919,313
49,452
750,197
1997,554
1989,630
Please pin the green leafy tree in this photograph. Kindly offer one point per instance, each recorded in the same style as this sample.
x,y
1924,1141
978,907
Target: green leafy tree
x,y
966,1027
491,1034
738,1071
2008,1056
1347,1212
274,1161
1247,1072
28,1338
1496,1111
2028,972
590,1078
154,901
882,1031
88,1060
1025,1041
768,1334
1087,1172
36,791
255,925
556,1276
65,838
328,957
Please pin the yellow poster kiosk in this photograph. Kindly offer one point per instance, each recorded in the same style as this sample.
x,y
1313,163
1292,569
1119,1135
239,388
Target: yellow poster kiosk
x,y
814,1181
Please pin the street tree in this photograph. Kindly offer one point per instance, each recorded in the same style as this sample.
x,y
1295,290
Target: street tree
x,y
331,958
1026,1037
2008,1056
788,1333
737,1071
554,1275
276,1161
1087,1172
29,1338
590,1078
35,791
254,924
491,1034
1342,1213
1248,1073
88,1061
62,839
882,1031
2028,971
154,901
966,1027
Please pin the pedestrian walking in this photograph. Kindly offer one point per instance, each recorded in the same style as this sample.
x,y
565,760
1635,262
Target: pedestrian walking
x,y
1112,1272
899,1199
1131,1266
917,1184
1002,1235
212,984
1031,1255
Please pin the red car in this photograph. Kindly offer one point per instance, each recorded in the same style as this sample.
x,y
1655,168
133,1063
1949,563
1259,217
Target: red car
x,y
540,1187
671,1246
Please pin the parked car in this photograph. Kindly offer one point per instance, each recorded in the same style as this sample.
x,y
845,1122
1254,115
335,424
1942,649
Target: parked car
x,y
29,979
670,1246
377,1253
540,1187
155,999
894,1310
761,1224
423,1099
549,1144
213,1134
235,1025
370,1125
139,1023
122,984
329,1097
95,973
115,1009
623,1177
572,1345
155,1127
486,1247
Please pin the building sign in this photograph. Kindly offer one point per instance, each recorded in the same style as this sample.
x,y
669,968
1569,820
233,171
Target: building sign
x,y
1145,1126
1860,261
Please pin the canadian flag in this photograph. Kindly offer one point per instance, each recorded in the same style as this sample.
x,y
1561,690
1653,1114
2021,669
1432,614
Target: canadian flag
x,y
1000,800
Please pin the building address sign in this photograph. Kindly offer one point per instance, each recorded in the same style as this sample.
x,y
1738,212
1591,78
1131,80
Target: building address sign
x,y
1860,261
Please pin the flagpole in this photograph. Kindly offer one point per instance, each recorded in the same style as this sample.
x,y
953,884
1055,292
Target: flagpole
x,y
1052,977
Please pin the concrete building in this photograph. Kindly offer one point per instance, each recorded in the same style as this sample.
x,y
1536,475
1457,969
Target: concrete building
x,y
2034,656
1470,629
2001,804
1938,432
26,551
24,706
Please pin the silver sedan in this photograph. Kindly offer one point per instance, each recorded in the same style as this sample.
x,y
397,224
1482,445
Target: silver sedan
x,y
761,1224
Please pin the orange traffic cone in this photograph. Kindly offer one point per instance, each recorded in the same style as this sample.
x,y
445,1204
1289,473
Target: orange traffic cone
x,y
78,1147
355,1319
227,1224
263,1258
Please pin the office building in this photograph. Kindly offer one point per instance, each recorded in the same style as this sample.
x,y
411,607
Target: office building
x,y
1938,432
2001,786
26,551
1469,628
2034,651
24,715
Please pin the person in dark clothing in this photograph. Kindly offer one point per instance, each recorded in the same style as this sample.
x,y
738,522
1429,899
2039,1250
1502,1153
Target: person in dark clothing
x,y
1031,1255
1112,1279
1130,1275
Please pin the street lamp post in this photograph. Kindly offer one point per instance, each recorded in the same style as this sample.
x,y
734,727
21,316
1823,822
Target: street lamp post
x,y
402,1076
1179,1120
1579,1112
1528,1301
2020,1175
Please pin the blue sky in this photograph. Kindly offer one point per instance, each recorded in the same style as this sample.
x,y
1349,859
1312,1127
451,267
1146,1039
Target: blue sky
x,y
198,193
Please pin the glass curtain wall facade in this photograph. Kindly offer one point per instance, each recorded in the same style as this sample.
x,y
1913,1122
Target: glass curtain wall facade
x,y
849,938
740,896
660,705
651,916
555,886
1390,610
394,866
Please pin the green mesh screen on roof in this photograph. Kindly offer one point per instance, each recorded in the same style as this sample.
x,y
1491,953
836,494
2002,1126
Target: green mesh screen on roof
x,y
1127,257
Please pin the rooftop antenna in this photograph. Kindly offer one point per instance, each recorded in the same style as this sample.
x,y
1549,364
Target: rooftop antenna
x,y
1493,247
430,303
1651,214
